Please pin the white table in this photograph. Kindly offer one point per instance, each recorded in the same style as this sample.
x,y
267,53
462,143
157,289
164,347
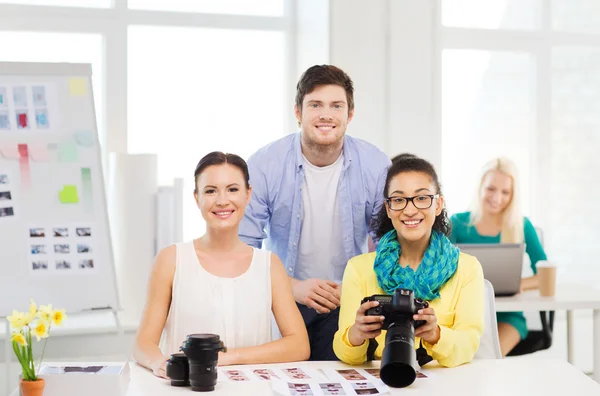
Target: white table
x,y
527,377
568,298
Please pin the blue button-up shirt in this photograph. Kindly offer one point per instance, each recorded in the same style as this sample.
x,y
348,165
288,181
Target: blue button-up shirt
x,y
275,211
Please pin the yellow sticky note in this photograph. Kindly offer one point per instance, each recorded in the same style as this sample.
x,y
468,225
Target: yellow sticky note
x,y
68,195
77,86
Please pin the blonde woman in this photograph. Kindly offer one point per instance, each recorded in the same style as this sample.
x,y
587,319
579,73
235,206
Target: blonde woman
x,y
496,217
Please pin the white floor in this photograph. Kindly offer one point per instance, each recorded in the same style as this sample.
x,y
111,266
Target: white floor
x,y
107,347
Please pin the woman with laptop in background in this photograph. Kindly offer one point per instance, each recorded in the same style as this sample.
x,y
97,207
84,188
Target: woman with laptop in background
x,y
496,218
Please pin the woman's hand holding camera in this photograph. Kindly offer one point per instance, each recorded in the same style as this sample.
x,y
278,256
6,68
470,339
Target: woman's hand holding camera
x,y
429,331
365,326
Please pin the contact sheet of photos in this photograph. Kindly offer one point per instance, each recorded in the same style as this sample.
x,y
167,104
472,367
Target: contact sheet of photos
x,y
309,381
61,248
7,204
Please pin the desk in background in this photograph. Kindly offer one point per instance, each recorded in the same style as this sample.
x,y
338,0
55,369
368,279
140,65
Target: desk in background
x,y
515,377
568,298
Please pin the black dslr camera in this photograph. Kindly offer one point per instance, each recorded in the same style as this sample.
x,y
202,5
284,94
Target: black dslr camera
x,y
398,362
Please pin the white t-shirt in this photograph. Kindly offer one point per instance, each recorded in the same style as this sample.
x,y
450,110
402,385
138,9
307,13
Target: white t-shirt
x,y
321,234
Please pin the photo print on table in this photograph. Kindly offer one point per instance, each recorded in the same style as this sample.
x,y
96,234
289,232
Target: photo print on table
x,y
5,196
264,374
295,373
373,372
351,375
86,264
300,389
332,388
236,375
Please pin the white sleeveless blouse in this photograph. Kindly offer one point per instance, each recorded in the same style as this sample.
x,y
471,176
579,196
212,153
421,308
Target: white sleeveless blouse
x,y
237,309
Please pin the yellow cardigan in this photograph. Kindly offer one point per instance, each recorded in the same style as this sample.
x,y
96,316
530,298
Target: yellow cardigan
x,y
459,312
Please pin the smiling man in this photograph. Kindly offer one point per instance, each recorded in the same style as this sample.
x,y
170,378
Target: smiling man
x,y
314,194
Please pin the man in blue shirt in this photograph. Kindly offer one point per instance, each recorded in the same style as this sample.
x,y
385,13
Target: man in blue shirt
x,y
314,194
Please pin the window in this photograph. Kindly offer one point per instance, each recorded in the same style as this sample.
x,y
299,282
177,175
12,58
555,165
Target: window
x,y
240,7
63,3
532,94
189,95
60,47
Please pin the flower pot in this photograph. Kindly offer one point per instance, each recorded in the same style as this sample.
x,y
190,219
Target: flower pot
x,y
33,388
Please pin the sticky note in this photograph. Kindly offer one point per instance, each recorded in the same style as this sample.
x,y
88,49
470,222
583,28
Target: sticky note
x,y
67,152
78,86
68,195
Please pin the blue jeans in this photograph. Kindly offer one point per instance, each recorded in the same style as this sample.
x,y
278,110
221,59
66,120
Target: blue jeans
x,y
321,329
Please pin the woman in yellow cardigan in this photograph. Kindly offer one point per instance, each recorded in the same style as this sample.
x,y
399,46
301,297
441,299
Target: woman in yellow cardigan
x,y
413,253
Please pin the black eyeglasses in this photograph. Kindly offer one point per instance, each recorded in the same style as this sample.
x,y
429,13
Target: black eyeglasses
x,y
419,201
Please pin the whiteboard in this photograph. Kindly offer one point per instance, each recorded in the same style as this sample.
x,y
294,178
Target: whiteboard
x,y
55,242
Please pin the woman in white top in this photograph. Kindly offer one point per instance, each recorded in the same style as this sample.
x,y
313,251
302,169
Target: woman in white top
x,y
218,284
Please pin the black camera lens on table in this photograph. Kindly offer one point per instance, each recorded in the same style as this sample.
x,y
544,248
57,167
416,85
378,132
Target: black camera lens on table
x,y
197,365
398,361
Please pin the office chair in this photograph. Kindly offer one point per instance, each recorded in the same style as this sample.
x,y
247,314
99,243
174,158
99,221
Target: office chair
x,y
489,345
537,340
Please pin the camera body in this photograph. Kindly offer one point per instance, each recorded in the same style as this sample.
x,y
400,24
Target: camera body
x,y
398,360
400,306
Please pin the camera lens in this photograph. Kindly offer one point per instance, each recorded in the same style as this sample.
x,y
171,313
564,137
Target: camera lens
x,y
178,370
398,363
202,351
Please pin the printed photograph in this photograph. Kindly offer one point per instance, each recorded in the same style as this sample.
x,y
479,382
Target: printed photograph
x,y
264,374
62,264
296,373
351,375
22,119
4,178
5,196
4,212
332,389
373,372
60,232
86,264
83,248
4,120
41,119
39,96
38,249
19,97
370,391
37,232
236,375
83,231
300,389
362,385
39,265
62,248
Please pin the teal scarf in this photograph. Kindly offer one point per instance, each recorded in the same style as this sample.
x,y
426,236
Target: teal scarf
x,y
439,264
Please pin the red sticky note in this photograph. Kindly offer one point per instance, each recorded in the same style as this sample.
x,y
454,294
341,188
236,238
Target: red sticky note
x,y
23,120
23,150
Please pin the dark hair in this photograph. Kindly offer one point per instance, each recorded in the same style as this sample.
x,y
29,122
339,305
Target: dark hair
x,y
403,156
410,163
324,75
220,158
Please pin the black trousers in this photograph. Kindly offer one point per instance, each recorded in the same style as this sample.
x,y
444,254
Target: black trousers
x,y
321,329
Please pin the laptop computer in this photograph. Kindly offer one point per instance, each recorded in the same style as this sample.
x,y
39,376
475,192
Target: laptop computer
x,y
502,264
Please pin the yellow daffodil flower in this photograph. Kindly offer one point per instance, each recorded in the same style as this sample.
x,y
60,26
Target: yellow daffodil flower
x,y
58,315
19,338
32,307
17,320
45,313
41,330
